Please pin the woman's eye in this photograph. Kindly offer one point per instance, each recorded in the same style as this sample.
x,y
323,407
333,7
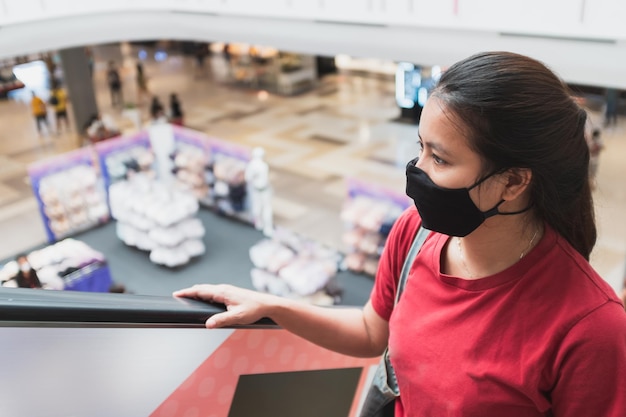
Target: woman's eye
x,y
438,160
435,158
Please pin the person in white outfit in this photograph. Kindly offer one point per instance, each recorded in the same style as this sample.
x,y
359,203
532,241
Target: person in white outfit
x,y
257,177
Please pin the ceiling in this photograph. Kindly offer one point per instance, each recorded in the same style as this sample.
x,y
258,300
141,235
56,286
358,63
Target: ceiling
x,y
598,62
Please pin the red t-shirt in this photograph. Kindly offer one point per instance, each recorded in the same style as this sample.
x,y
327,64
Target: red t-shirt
x,y
545,337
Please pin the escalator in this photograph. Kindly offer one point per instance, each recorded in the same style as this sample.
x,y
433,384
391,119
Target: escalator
x,y
71,354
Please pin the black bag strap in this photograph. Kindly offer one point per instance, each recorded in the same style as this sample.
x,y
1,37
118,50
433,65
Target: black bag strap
x,y
418,241
390,375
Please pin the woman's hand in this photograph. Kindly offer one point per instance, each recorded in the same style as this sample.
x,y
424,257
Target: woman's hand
x,y
242,306
350,331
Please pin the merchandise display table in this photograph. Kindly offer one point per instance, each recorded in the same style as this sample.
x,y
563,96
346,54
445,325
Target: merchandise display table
x,y
66,265
368,215
95,277
159,218
291,266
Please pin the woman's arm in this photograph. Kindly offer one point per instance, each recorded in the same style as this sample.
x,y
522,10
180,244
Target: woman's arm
x,y
350,331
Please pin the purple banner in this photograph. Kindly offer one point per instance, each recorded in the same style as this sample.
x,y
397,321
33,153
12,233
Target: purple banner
x,y
361,188
211,145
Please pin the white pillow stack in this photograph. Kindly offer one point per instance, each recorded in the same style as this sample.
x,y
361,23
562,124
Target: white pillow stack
x,y
158,218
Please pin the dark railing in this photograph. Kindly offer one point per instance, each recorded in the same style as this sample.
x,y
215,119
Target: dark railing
x,y
103,354
29,307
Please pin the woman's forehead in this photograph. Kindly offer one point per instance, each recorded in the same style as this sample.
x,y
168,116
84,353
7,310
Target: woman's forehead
x,y
440,125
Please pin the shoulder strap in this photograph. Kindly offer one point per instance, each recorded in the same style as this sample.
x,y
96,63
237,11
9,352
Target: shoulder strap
x,y
420,237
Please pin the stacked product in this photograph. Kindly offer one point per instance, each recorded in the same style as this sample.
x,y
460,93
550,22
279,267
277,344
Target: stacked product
x,y
291,266
72,200
137,159
229,188
368,222
159,218
61,266
189,166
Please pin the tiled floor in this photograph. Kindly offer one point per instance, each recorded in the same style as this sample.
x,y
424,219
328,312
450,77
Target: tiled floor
x,y
313,142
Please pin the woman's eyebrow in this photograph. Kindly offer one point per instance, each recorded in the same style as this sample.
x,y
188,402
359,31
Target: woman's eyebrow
x,y
434,145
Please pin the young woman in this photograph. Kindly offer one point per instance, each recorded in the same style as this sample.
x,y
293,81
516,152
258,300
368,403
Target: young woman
x,y
502,314
26,276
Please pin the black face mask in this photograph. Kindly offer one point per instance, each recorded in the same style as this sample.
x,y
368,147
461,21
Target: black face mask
x,y
450,211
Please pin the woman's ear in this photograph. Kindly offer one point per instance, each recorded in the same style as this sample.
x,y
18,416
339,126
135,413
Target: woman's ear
x,y
518,180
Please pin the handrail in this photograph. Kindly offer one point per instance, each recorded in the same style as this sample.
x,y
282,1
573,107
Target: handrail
x,y
29,307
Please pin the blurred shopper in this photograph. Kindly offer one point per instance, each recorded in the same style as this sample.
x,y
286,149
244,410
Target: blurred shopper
x,y
26,276
226,52
58,100
40,112
115,85
90,60
142,82
595,147
157,111
610,109
176,111
51,66
200,53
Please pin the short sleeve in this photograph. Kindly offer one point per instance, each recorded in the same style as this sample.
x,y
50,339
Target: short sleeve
x,y
591,366
396,248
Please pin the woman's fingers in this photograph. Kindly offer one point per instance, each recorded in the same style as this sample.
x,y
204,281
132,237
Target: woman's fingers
x,y
242,306
214,322
205,292
229,317
190,292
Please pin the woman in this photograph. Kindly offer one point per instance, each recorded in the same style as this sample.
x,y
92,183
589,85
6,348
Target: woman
x,y
502,314
176,111
26,276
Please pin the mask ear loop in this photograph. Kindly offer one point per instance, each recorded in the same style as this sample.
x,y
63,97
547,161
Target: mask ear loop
x,y
511,213
497,171
494,211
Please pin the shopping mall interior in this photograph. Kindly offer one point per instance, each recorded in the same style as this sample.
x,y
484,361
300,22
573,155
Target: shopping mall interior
x,y
310,109
347,125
